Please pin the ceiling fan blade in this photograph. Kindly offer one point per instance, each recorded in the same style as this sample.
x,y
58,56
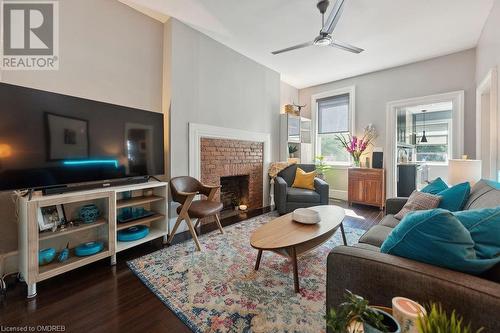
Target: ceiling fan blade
x,y
291,48
345,46
333,18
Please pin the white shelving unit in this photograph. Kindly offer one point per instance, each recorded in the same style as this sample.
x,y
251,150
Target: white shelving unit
x,y
296,131
151,195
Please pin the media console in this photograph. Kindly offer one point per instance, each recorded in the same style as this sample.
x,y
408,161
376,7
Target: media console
x,y
110,202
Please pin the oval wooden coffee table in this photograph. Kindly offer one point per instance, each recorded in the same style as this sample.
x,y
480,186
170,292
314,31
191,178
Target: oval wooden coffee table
x,y
291,239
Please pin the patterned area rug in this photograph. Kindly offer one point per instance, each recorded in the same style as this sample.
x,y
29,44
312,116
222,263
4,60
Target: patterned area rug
x,y
217,290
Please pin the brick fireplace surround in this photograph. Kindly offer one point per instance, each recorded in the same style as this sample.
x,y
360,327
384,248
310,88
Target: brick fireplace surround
x,y
227,157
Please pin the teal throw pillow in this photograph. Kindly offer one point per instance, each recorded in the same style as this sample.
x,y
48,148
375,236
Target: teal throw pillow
x,y
434,187
484,228
438,238
455,197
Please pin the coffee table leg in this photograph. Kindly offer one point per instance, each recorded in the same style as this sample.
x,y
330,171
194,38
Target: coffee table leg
x,y
295,269
343,233
259,256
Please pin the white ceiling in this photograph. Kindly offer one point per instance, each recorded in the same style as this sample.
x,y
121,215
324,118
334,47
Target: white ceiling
x,y
393,32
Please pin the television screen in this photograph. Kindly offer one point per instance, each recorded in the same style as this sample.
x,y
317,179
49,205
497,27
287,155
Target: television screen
x,y
49,139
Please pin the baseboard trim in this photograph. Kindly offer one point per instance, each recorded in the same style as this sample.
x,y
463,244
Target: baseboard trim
x,y
337,194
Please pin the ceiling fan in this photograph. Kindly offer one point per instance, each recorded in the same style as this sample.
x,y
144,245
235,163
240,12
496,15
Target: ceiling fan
x,y
325,35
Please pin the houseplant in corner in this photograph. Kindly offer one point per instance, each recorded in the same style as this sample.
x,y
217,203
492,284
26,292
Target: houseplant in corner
x,y
437,321
356,146
355,313
321,166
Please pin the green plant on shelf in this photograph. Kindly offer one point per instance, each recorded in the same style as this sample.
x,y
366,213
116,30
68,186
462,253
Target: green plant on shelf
x,y
350,315
292,149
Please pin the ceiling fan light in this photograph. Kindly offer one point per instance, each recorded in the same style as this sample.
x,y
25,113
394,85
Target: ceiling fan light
x,y
323,40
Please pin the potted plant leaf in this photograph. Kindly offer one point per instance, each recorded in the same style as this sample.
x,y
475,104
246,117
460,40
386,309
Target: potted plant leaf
x,y
436,320
356,313
321,166
292,149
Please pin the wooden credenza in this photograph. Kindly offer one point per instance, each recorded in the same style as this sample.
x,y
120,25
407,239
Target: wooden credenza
x,y
366,186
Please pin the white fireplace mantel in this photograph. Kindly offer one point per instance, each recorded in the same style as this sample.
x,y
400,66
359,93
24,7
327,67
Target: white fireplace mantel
x,y
198,131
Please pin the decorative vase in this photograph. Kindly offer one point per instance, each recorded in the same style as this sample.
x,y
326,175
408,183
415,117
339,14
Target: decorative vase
x,y
89,213
389,321
356,161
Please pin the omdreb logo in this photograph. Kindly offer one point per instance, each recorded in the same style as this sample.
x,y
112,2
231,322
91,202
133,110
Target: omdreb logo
x,y
30,35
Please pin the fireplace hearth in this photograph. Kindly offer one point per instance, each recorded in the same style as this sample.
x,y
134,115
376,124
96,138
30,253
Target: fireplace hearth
x,y
234,191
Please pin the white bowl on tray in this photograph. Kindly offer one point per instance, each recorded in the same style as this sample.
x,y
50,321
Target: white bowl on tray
x,y
306,216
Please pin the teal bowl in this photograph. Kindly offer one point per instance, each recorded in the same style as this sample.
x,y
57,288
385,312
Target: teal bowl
x,y
46,256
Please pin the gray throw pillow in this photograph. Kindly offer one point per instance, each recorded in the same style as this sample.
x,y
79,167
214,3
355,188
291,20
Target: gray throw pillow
x,y
418,201
484,194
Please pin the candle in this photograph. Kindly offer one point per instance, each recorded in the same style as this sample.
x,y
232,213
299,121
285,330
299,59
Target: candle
x,y
243,207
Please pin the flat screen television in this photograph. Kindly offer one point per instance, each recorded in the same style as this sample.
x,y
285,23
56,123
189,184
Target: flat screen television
x,y
50,140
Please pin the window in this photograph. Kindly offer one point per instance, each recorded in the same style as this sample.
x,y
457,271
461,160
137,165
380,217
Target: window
x,y
438,128
333,118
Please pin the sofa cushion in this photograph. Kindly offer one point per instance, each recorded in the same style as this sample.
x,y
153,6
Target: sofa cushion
x,y
455,197
389,221
376,235
418,201
484,194
367,247
484,227
434,187
438,238
304,179
302,195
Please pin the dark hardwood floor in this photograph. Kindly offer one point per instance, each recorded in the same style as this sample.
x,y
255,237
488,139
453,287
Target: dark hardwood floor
x,y
104,298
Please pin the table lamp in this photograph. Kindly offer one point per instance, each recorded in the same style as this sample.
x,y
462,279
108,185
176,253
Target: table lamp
x,y
464,170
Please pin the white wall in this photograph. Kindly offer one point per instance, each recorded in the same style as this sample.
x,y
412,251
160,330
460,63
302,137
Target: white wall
x,y
108,52
373,91
288,95
214,85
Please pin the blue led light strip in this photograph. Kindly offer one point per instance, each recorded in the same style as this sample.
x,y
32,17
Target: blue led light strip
x,y
90,162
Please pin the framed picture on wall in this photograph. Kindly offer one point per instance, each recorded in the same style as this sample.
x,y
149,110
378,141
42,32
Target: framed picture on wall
x,y
50,217
67,137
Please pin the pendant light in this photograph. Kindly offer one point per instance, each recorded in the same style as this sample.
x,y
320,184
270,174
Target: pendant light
x,y
424,138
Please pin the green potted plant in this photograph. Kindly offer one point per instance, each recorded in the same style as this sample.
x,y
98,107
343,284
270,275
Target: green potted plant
x,y
292,149
321,166
356,313
436,321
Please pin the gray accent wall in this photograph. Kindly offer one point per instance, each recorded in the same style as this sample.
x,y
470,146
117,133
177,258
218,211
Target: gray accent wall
x,y
214,85
373,90
108,52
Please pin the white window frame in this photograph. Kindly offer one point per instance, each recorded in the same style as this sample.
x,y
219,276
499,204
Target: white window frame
x,y
351,91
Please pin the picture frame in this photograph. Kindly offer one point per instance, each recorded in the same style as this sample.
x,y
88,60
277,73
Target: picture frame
x,y
50,217
67,137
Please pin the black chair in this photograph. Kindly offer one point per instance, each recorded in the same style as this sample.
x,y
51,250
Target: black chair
x,y
288,198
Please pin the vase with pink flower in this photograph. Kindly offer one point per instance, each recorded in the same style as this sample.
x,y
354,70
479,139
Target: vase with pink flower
x,y
356,146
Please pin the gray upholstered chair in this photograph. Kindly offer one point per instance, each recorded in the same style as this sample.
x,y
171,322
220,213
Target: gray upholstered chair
x,y
288,198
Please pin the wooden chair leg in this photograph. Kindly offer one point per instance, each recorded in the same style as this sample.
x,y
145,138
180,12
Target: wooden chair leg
x,y
218,224
174,230
193,233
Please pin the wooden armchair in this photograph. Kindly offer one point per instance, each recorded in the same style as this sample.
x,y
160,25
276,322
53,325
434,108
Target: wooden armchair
x,y
184,189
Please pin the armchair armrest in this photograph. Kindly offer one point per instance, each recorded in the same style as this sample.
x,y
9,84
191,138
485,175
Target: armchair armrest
x,y
322,188
209,190
280,189
379,277
394,205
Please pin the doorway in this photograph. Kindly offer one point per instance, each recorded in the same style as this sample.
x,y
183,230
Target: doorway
x,y
422,134
486,125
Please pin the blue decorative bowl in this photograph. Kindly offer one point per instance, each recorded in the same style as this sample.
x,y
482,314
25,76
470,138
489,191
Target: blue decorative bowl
x,y
133,233
89,213
88,249
46,256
